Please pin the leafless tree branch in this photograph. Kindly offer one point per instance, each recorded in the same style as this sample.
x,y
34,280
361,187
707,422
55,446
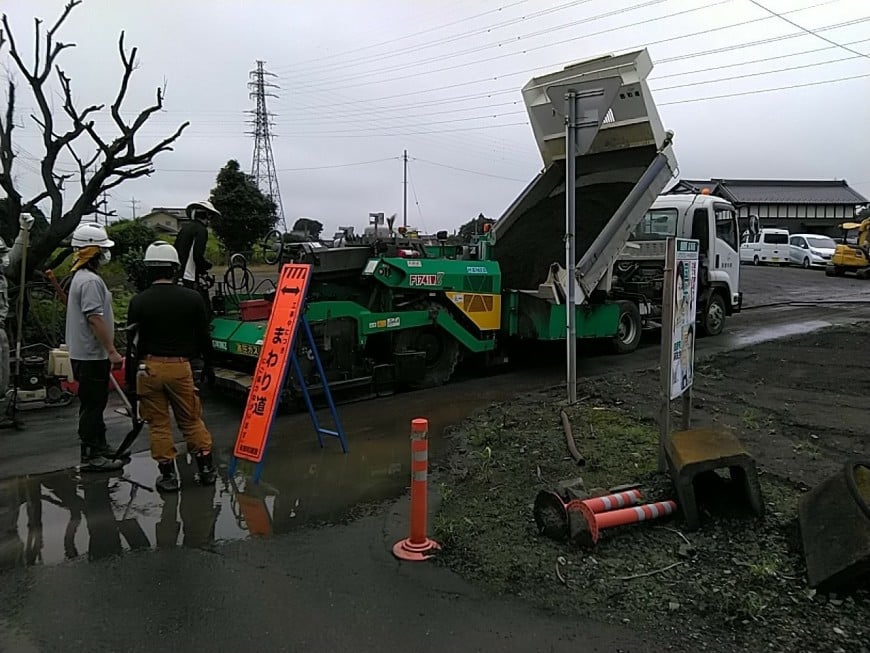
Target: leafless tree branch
x,y
119,160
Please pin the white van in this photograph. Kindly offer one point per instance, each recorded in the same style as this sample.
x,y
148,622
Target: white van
x,y
767,246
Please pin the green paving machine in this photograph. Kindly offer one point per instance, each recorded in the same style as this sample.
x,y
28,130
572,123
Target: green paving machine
x,y
389,311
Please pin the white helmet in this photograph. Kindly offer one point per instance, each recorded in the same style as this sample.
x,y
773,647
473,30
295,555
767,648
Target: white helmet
x,y
205,205
161,253
91,235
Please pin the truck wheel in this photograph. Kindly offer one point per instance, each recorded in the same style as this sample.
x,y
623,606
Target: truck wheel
x,y
628,330
756,261
713,319
829,271
442,354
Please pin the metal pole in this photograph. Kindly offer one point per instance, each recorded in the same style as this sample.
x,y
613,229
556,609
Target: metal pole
x,y
666,360
570,245
405,191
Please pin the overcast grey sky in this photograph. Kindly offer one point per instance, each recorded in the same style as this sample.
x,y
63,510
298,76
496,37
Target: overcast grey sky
x,y
360,80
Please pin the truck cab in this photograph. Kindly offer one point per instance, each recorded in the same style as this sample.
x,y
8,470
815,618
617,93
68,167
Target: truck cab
x,y
713,222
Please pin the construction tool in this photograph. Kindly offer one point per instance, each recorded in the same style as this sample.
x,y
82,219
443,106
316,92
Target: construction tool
x,y
12,408
123,451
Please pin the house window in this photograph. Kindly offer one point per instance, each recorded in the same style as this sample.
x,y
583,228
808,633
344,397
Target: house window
x,y
802,211
840,211
792,210
829,211
744,211
762,211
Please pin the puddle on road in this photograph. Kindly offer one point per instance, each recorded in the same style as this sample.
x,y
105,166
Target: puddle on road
x,y
49,518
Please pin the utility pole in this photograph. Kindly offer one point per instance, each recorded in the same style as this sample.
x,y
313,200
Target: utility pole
x,y
405,190
263,162
570,244
133,204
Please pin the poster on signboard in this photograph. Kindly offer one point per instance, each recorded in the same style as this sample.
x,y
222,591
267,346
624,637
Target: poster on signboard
x,y
684,305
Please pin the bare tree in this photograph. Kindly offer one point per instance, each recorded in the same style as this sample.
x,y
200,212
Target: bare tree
x,y
109,162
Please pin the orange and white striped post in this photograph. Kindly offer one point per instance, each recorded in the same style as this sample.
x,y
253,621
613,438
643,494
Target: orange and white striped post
x,y
609,502
417,546
598,521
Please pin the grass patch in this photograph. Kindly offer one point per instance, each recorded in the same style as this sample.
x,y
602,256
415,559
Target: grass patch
x,y
740,583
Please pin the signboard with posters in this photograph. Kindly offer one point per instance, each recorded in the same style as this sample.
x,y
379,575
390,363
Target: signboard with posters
x,y
684,304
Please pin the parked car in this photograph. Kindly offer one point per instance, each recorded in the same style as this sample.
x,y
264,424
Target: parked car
x,y
811,250
767,246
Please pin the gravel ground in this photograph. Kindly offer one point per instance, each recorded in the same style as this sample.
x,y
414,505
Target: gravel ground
x,y
738,583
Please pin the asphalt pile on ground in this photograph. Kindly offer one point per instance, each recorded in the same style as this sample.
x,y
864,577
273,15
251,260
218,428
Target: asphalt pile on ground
x,y
737,584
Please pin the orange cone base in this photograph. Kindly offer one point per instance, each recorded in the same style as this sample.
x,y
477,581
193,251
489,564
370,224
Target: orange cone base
x,y
415,551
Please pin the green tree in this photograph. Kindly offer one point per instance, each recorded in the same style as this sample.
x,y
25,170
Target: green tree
x,y
131,235
310,226
247,215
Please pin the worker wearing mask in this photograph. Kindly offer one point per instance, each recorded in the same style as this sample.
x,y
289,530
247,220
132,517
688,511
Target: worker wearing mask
x,y
90,337
191,242
7,411
171,327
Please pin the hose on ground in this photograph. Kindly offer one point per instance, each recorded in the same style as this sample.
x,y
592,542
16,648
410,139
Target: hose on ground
x,y
569,439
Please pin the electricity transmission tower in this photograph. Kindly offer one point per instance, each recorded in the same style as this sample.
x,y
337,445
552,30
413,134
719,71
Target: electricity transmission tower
x,y
263,163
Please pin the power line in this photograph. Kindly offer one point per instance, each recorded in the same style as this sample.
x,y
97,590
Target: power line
x,y
487,94
473,172
763,90
808,31
488,29
758,74
306,169
452,55
754,61
402,38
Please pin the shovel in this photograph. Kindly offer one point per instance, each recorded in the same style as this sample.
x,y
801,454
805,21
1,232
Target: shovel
x,y
130,438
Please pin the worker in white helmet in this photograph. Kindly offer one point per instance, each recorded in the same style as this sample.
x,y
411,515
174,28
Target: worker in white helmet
x,y
172,329
90,336
191,242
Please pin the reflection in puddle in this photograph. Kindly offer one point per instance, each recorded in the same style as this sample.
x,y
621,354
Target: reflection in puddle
x,y
66,515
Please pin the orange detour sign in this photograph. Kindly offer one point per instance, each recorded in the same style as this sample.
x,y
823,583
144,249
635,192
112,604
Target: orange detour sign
x,y
272,365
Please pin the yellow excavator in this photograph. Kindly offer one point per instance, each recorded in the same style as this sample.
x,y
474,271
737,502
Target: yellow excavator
x,y
853,252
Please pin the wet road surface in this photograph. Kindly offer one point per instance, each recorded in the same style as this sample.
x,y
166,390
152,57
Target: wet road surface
x,y
334,587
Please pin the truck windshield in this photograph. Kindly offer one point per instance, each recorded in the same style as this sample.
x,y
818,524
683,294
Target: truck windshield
x,y
657,224
776,239
821,242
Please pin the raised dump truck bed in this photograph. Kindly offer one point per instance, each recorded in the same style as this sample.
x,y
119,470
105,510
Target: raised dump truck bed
x,y
627,163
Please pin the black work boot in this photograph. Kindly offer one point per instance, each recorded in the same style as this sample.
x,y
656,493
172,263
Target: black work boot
x,y
168,479
205,463
93,460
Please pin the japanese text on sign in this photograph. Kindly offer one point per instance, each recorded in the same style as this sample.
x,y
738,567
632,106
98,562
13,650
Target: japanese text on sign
x,y
685,307
272,363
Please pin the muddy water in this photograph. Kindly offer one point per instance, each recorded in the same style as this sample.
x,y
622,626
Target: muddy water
x,y
66,515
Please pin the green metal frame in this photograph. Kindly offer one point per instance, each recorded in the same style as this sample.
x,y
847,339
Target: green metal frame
x,y
529,317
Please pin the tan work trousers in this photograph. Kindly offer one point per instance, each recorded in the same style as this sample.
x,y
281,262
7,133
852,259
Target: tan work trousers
x,y
165,385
